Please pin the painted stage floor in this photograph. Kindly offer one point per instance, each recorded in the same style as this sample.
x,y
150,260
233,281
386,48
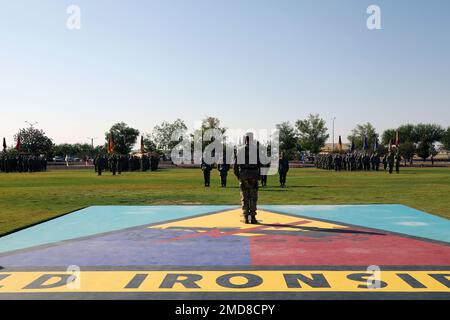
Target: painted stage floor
x,y
206,252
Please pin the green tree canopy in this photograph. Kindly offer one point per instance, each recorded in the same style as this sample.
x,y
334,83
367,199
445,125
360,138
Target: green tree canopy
x,y
429,133
34,141
124,137
288,139
423,150
162,134
407,150
361,131
149,143
445,140
312,133
80,150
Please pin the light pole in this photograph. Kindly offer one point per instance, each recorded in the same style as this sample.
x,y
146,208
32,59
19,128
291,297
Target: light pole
x,y
334,118
92,141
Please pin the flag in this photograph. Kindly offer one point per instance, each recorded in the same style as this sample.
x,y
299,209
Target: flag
x,y
366,143
18,143
340,144
375,144
111,143
352,146
396,138
4,144
142,144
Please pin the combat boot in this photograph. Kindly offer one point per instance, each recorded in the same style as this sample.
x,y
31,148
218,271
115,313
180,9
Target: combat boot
x,y
247,218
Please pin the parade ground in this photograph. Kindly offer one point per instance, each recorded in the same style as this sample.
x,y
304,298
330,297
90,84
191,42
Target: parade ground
x,y
31,198
70,234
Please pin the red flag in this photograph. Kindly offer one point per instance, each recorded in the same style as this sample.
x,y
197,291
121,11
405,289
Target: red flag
x,y
110,143
18,143
396,138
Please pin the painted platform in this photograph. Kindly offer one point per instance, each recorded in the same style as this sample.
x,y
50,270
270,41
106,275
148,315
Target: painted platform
x,y
203,252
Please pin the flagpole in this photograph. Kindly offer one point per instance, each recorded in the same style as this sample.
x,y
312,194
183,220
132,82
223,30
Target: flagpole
x,y
334,118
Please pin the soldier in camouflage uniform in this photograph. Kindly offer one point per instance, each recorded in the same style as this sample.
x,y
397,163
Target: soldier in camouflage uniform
x,y
283,168
113,164
223,167
391,159
206,168
247,169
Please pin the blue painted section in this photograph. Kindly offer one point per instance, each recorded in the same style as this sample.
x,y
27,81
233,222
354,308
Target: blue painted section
x,y
98,219
389,217
138,247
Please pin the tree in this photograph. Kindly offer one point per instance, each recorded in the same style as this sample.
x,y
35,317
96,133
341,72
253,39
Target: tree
x,y
288,139
212,123
423,149
312,133
149,143
34,141
407,132
429,133
363,130
80,150
407,150
162,134
445,140
388,134
124,137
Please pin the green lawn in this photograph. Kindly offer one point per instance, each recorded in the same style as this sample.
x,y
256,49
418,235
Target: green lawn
x,y
29,198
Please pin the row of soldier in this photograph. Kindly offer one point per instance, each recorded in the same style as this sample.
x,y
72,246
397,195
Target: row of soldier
x,y
122,163
22,163
359,161
223,168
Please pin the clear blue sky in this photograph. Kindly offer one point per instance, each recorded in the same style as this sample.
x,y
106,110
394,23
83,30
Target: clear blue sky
x,y
252,63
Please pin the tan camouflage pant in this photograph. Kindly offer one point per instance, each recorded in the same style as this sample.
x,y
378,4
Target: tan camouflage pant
x,y
249,195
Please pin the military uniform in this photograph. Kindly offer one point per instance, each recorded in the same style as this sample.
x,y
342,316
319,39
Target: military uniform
x,y
206,168
283,168
113,164
223,170
398,158
390,161
247,169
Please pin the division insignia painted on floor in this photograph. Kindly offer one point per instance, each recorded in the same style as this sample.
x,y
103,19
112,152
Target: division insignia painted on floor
x,y
203,252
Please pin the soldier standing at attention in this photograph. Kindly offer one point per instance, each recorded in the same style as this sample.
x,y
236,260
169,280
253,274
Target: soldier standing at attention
x,y
206,168
385,162
101,164
113,164
247,167
283,168
223,171
398,158
263,176
390,160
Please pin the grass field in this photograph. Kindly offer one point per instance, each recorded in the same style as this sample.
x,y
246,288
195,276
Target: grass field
x,y
30,198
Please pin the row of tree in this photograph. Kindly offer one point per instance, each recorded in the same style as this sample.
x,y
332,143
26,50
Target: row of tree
x,y
308,134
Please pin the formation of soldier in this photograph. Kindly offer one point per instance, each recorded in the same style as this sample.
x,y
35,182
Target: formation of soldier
x,y
248,172
123,163
359,161
22,163
223,168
